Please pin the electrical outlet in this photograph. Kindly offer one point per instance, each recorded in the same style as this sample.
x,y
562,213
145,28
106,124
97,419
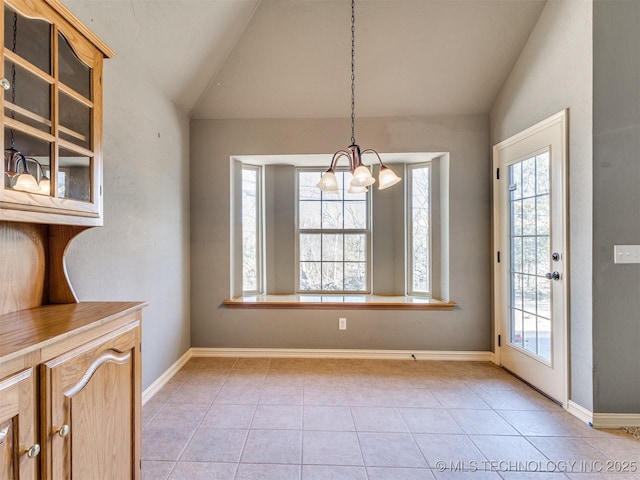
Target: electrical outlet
x,y
342,324
626,254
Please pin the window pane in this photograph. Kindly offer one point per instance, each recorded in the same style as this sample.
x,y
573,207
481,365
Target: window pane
x,y
355,215
310,214
420,235
332,248
332,276
74,176
355,276
28,99
355,248
307,185
310,247
310,275
32,39
332,215
250,232
529,177
75,121
71,70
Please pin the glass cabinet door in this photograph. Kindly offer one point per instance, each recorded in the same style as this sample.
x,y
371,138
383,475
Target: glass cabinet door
x,y
50,76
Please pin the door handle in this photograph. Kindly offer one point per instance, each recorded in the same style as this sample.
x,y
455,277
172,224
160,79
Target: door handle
x,y
553,276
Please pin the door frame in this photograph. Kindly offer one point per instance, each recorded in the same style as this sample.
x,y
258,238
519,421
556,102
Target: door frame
x,y
499,215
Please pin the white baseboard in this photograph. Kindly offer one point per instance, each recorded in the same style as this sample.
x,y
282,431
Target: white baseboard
x,y
162,380
580,412
616,420
343,353
603,420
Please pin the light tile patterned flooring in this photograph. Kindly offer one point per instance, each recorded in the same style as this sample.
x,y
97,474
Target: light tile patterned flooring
x,y
326,419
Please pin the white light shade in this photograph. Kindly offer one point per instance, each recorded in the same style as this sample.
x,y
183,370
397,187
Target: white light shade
x,y
362,177
387,178
328,182
45,186
354,189
26,183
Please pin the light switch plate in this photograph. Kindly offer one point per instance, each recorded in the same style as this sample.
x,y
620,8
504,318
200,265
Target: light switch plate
x,y
626,253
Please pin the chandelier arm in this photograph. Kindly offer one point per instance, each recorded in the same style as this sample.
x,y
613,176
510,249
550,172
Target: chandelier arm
x,y
337,156
371,150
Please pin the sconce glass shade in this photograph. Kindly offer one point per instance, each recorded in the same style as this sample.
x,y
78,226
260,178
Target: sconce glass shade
x,y
27,183
362,177
387,178
328,182
45,186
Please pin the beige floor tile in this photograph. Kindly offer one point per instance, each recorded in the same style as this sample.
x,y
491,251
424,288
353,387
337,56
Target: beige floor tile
x,y
152,470
149,411
267,472
277,417
273,446
333,472
229,416
328,418
429,420
397,473
446,450
331,448
215,445
415,397
370,397
231,395
190,393
203,471
275,395
567,449
459,397
509,452
284,379
603,476
390,450
506,400
325,395
252,365
533,476
540,423
477,475
378,419
618,448
162,443
485,422
174,415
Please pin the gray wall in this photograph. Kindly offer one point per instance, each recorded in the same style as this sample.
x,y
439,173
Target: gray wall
x,y
616,212
142,252
554,72
213,142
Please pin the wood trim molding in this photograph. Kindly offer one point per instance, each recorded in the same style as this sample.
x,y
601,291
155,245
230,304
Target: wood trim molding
x,y
338,302
580,412
616,420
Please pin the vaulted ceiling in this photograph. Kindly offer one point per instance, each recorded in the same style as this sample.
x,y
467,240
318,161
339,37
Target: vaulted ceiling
x,y
291,58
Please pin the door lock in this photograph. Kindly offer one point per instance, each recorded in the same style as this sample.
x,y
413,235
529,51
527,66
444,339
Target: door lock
x,y
553,276
555,256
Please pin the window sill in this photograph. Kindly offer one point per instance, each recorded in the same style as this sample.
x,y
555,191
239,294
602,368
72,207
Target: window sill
x,y
339,302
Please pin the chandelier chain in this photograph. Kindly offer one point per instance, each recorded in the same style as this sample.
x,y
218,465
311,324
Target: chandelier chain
x,y
353,72
13,74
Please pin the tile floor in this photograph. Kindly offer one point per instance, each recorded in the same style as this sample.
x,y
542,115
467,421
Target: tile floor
x,y
326,419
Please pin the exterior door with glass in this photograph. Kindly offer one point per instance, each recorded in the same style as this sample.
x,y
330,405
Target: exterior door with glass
x,y
530,242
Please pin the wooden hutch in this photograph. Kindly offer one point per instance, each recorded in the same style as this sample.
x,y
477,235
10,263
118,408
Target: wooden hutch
x,y
70,384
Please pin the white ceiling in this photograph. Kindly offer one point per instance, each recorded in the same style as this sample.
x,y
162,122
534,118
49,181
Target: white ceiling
x,y
291,58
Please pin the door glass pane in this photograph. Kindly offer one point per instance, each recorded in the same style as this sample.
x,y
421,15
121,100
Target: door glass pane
x,y
74,176
32,39
30,156
28,100
71,70
74,121
530,254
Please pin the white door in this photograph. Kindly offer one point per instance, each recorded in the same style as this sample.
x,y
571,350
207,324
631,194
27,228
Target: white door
x,y
530,243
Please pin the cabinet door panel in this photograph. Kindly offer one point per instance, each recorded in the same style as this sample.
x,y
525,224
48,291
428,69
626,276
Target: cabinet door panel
x,y
17,427
93,413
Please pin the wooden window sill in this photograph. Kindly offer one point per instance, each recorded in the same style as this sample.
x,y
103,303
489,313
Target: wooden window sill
x,y
339,302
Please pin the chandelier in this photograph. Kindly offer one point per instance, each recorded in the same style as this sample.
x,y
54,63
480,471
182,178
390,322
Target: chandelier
x,y
361,175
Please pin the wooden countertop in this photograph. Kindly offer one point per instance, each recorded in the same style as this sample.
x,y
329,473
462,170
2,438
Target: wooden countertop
x,y
28,330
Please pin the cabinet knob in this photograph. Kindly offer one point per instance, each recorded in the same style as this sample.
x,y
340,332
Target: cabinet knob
x,y
5,84
34,451
64,430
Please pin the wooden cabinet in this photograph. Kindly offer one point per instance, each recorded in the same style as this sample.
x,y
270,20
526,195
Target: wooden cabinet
x,y
18,448
52,116
70,392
